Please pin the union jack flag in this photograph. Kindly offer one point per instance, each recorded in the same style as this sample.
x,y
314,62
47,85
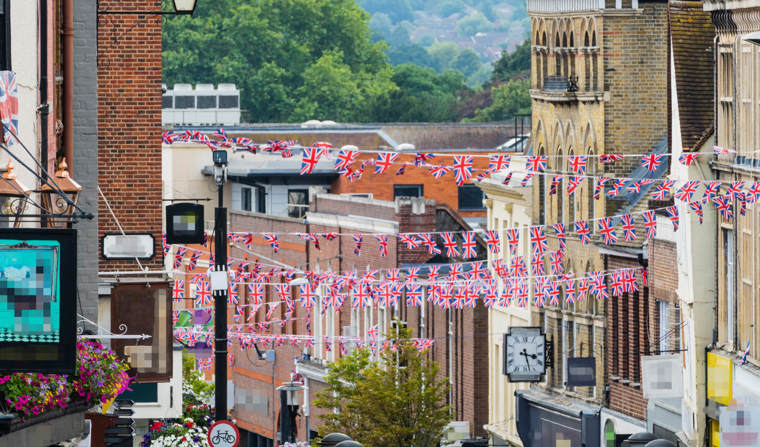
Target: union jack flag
x,y
169,137
610,158
360,296
450,242
559,231
650,223
469,246
526,179
540,295
720,150
507,179
599,187
672,212
578,163
634,187
193,263
256,293
178,291
536,163
9,106
433,272
413,295
490,293
553,291
401,170
175,316
382,241
232,294
629,227
662,190
422,158
711,189
203,294
513,239
409,240
518,267
309,160
493,242
697,208
462,168
581,227
310,237
537,264
735,189
597,284
392,275
651,161
754,192
455,271
413,274
687,159
555,182
438,171
523,294
569,291
572,185
271,238
630,284
498,162
307,296
686,192
617,187
582,289
346,157
555,259
616,283
384,161
724,207
357,244
538,240
430,244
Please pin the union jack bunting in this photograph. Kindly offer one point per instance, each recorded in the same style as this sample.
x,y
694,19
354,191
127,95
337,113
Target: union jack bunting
x,y
753,195
283,292
499,268
271,238
392,275
9,105
724,207
413,274
178,291
598,287
469,246
471,296
610,158
455,271
357,244
450,242
369,275
696,206
422,158
662,190
507,178
582,289
438,171
559,231
309,160
203,294
384,161
193,263
581,227
687,159
735,189
166,247
248,240
633,187
256,293
169,137
430,244
617,187
537,264
175,316
490,296
413,295
330,236
310,237
523,294
572,184
599,187
651,161
555,259
721,150
616,283
382,242
232,295
686,192
555,182
513,239
526,179
569,291
360,296
540,293
629,227
498,162
433,272
672,212
577,163
538,240
409,240
462,168
630,285
493,242
401,170
478,270
553,291
346,157
536,163
650,223
307,296
711,189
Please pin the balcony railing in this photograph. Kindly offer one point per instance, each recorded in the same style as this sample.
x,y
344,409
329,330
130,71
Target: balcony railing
x,y
560,84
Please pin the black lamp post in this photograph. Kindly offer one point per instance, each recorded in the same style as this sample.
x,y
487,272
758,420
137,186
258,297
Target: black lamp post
x,y
181,7
289,410
220,297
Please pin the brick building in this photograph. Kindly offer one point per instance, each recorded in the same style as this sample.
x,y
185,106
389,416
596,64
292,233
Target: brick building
x,y
456,347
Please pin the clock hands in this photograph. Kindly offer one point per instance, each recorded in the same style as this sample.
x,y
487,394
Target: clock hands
x,y
526,355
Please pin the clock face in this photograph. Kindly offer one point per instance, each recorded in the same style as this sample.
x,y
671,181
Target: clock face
x,y
525,354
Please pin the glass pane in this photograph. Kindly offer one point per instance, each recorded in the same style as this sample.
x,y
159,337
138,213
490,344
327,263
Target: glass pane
x,y
167,102
407,191
298,203
207,102
184,102
228,102
470,197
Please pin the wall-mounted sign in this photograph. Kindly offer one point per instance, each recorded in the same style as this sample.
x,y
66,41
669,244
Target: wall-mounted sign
x,y
661,376
37,300
128,246
525,354
144,309
581,371
184,223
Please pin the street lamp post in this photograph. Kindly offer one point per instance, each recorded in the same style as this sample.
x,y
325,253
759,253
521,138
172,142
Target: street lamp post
x,y
220,296
288,410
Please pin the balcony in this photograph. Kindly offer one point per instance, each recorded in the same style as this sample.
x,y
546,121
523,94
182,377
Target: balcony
x,y
560,84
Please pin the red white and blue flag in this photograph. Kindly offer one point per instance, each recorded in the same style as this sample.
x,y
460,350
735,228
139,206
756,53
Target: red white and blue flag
x,y
309,159
203,294
382,242
430,244
559,231
9,106
651,161
498,162
409,240
672,213
271,238
450,242
346,157
384,161
422,158
538,241
687,159
577,163
462,168
608,230
686,192
439,171
357,244
581,227
629,227
650,223
469,246
513,239
493,242
178,291
536,163
662,190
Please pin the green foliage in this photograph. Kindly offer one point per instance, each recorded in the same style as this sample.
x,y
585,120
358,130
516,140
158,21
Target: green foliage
x,y
508,100
398,401
473,24
195,389
514,64
467,61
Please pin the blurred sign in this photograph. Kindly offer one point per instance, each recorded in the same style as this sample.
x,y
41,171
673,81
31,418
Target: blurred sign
x,y
739,426
661,376
184,223
37,300
128,246
144,309
581,371
719,378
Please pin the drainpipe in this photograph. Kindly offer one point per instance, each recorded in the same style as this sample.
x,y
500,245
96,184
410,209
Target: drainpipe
x,y
68,83
44,107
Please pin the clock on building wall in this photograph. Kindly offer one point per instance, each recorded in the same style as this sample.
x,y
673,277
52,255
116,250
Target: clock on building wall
x,y
525,354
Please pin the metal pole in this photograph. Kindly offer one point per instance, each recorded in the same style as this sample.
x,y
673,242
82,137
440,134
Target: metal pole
x,y
220,307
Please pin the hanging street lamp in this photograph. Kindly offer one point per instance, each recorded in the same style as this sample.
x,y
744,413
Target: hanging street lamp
x,y
13,198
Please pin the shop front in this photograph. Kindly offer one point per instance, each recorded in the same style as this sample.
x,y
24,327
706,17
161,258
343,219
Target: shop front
x,y
550,420
733,401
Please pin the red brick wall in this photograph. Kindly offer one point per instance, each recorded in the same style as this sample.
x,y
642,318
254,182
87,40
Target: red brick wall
x,y
129,123
628,335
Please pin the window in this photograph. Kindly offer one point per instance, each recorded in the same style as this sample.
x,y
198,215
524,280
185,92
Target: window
x,y
470,198
245,199
729,249
261,200
5,35
664,322
298,203
407,191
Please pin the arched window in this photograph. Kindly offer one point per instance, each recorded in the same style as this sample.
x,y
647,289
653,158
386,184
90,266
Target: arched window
x,y
542,202
586,64
559,163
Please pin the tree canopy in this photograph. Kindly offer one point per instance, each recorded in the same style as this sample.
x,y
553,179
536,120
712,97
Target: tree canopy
x,y
397,401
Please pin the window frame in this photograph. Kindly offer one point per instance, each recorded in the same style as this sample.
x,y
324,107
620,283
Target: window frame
x,y
302,206
459,198
420,190
5,54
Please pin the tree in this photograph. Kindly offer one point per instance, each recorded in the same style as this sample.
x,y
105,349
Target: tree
x,y
398,401
510,99
473,24
510,65
467,61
